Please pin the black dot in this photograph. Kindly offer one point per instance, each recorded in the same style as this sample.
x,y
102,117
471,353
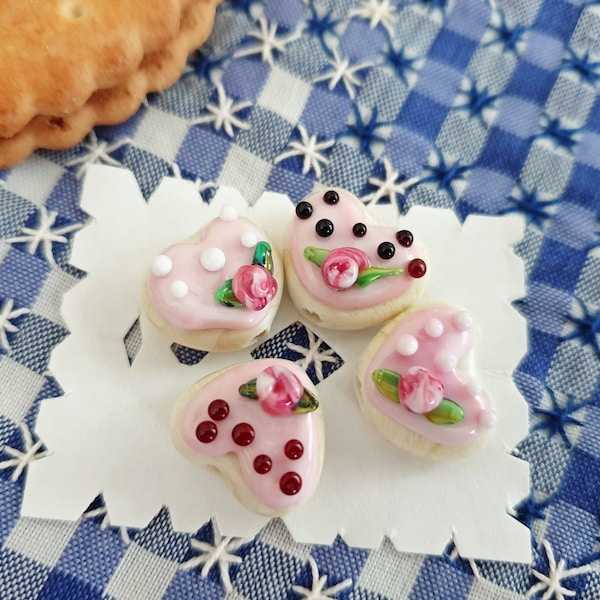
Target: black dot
x,y
331,197
324,228
386,250
304,210
405,238
359,229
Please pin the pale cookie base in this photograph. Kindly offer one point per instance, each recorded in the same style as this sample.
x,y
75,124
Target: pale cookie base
x,y
391,430
346,320
110,106
219,340
227,466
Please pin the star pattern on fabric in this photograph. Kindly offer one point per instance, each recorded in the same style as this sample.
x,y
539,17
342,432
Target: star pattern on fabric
x,y
529,204
552,583
96,152
454,555
581,64
343,71
504,35
365,131
529,510
586,328
310,149
389,186
556,418
220,553
102,513
559,134
477,102
223,114
320,26
244,6
313,354
377,12
268,41
21,459
445,174
402,63
8,312
44,235
318,591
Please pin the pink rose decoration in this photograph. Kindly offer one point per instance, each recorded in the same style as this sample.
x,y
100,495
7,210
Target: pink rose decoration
x,y
254,286
341,267
278,390
419,391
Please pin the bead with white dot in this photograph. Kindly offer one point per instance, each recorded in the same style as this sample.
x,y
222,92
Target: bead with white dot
x,y
445,361
407,345
487,418
249,239
212,259
462,320
434,328
228,213
161,265
179,289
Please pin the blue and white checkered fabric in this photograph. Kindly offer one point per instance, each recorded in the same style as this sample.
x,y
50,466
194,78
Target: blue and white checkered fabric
x,y
482,107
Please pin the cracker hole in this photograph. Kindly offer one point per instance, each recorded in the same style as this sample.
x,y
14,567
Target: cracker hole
x,y
73,10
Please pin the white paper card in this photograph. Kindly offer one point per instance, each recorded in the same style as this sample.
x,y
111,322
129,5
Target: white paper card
x,y
109,433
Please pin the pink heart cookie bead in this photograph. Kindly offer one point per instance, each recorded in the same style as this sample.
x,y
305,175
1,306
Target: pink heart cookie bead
x,y
418,386
343,270
213,292
260,426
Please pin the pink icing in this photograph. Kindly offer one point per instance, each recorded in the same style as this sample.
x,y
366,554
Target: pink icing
x,y
440,353
272,433
197,308
344,215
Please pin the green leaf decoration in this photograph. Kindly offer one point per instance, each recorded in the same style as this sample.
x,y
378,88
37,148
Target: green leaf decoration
x,y
224,295
248,390
308,402
368,276
263,256
315,255
447,412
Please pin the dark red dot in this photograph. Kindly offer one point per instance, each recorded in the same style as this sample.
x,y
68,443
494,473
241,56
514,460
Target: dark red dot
x,y
262,464
243,434
405,238
417,268
206,432
290,483
218,410
294,449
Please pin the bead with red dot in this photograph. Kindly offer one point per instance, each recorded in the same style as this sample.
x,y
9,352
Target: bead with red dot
x,y
218,410
262,464
417,268
294,449
206,432
243,434
290,483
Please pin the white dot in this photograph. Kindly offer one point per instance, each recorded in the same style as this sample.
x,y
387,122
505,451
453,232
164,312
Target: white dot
x,y
434,328
249,239
474,388
179,289
462,320
228,213
487,418
407,345
445,361
212,259
161,265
